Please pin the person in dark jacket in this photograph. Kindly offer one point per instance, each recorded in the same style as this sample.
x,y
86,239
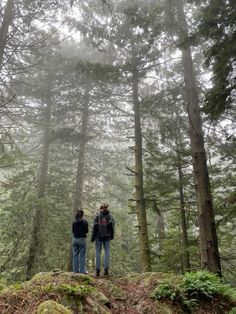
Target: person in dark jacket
x,y
102,234
79,230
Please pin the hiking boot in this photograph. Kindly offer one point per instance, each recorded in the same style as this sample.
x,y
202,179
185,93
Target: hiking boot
x,y
97,272
106,272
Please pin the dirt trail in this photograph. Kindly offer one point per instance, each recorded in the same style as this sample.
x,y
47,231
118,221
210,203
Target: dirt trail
x,y
138,299
128,297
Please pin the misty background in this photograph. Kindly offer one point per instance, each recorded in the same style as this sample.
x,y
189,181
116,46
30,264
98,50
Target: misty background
x,y
107,101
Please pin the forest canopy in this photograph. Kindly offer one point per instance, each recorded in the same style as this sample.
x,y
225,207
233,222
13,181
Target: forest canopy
x,y
130,103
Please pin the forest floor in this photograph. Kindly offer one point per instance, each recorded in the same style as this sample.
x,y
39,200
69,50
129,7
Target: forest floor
x,y
69,293
131,297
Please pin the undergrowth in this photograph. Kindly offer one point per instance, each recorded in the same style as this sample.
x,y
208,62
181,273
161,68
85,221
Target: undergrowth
x,y
192,288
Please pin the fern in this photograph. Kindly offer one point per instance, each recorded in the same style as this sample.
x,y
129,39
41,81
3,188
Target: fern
x,y
192,287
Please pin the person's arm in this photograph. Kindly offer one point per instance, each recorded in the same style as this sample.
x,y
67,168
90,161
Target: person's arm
x,y
86,226
94,230
73,227
112,228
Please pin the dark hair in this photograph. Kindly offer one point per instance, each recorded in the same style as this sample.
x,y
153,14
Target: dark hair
x,y
79,214
104,206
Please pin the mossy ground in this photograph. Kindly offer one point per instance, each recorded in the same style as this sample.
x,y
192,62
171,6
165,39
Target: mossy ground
x,y
62,292
51,306
68,289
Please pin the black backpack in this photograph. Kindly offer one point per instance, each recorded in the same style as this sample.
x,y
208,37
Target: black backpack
x,y
104,225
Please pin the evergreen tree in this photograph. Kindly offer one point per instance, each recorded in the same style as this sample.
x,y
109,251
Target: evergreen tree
x,y
208,238
217,26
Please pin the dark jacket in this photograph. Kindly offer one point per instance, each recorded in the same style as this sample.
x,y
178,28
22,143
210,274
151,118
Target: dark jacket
x,y
80,228
103,226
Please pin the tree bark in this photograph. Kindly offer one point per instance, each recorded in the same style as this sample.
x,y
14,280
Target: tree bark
x,y
78,194
38,213
161,231
184,242
81,157
4,29
140,199
210,258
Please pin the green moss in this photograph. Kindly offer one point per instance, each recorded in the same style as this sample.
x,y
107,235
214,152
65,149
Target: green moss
x,y
81,278
100,297
16,286
115,291
68,289
52,307
3,284
96,307
41,278
2,287
13,289
71,295
132,277
76,293
73,302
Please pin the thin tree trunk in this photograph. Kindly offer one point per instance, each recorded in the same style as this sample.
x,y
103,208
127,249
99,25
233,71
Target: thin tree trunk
x,y
210,258
180,247
80,165
184,242
4,29
140,200
161,231
38,214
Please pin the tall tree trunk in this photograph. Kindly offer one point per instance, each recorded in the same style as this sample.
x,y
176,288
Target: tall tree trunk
x,y
184,242
210,258
4,29
38,214
140,199
81,157
80,165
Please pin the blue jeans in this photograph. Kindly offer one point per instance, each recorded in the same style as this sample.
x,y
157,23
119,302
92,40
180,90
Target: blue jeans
x,y
79,253
106,246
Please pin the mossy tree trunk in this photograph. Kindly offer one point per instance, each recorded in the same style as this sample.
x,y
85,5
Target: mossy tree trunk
x,y
35,242
139,195
210,258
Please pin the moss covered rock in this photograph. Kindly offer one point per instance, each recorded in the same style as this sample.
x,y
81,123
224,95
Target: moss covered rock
x,y
114,290
52,307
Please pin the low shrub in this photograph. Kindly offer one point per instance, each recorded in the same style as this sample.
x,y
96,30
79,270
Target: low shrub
x,y
192,287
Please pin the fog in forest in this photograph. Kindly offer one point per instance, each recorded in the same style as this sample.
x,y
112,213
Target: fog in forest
x,y
129,103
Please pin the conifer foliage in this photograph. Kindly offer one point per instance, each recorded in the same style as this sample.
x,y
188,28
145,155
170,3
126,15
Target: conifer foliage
x,y
105,101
